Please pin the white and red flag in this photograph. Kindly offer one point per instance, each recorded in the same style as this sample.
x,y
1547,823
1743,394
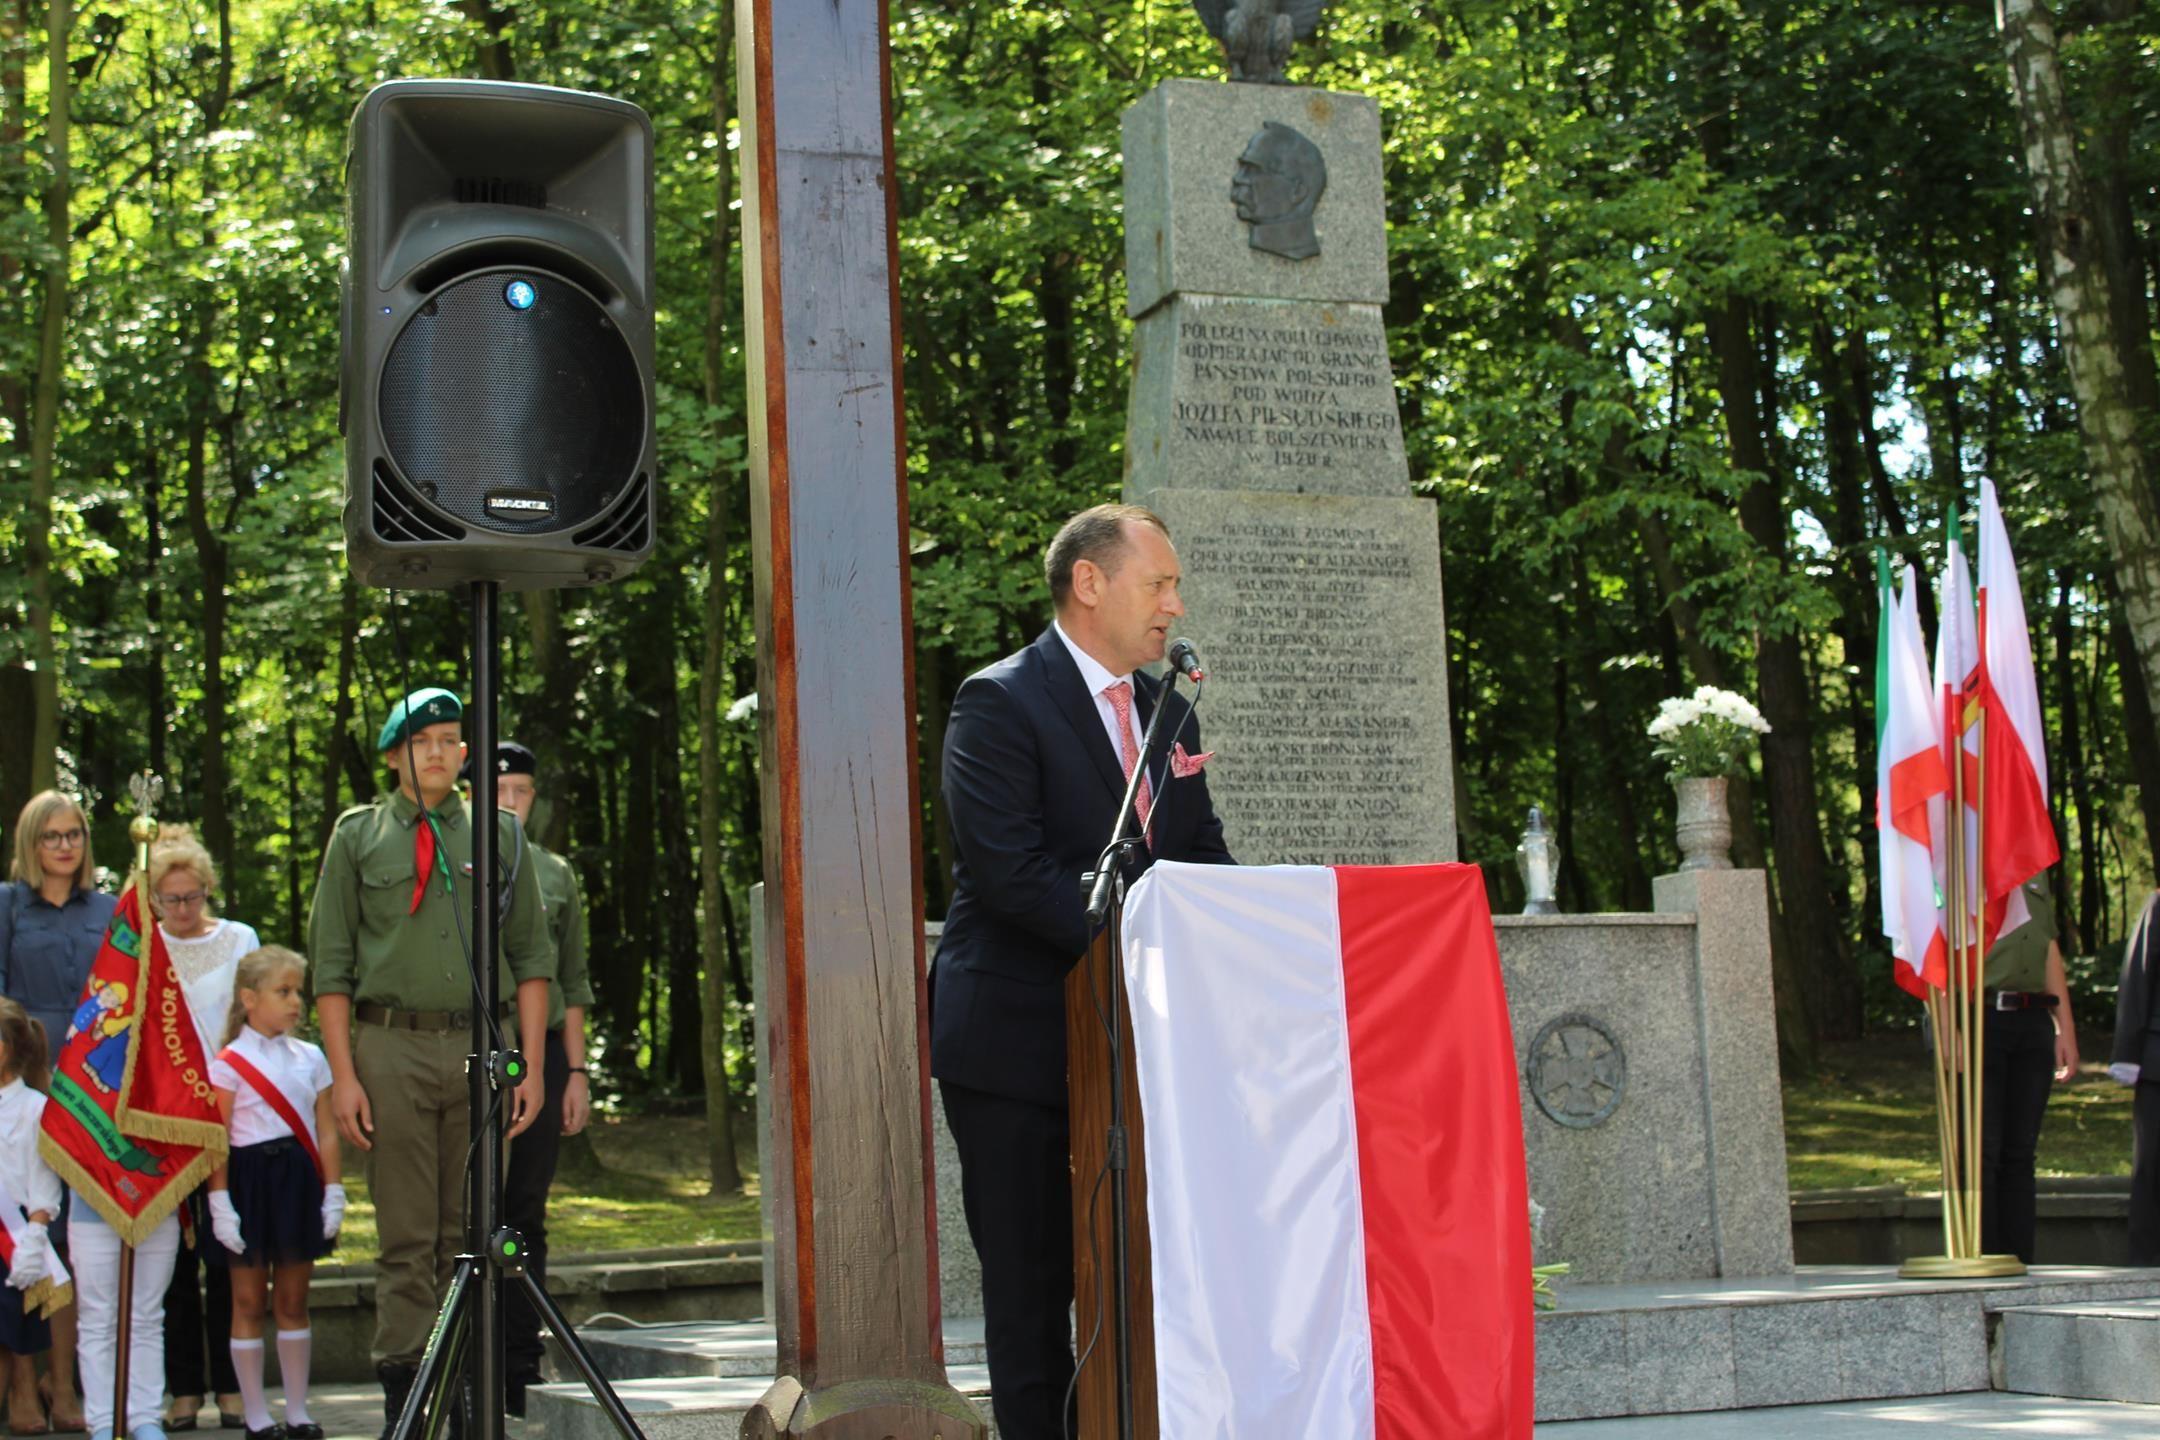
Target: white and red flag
x,y
2017,835
1336,1194
1957,678
1911,786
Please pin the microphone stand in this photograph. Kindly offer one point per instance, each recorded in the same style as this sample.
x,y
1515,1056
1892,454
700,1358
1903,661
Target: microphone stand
x,y
1105,890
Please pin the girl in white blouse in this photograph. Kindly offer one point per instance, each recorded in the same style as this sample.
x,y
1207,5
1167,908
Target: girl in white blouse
x,y
31,1185
275,1203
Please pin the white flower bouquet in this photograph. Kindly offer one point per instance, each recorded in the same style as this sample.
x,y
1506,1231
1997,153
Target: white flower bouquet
x,y
1706,734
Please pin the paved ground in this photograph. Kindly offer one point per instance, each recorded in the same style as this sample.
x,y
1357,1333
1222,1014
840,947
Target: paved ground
x,y
354,1412
346,1412
1982,1416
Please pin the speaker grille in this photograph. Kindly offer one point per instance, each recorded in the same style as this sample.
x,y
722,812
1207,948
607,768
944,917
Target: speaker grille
x,y
519,421
399,515
628,529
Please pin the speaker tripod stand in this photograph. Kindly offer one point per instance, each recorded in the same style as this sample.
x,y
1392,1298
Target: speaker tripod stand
x,y
464,1353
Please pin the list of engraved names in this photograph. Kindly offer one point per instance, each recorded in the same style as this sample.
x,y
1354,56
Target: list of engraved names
x,y
1331,724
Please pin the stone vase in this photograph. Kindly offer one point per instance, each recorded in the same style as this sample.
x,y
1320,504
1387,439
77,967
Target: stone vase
x,y
1705,825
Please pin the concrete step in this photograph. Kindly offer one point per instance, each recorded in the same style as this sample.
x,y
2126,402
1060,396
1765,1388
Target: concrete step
x,y
721,1349
2107,1350
701,1407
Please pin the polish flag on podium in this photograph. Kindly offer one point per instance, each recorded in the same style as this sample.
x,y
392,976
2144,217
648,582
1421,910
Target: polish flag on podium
x,y
1912,786
2017,835
1336,1196
1957,680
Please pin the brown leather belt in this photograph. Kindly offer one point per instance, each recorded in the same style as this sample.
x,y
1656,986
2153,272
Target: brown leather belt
x,y
367,1012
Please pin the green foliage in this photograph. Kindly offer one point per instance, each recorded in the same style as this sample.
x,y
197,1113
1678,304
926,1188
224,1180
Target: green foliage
x,y
1576,191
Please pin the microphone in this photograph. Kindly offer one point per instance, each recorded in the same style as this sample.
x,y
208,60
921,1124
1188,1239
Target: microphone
x,y
1186,661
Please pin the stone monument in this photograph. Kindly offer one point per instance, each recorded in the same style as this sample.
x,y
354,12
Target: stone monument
x,y
1263,428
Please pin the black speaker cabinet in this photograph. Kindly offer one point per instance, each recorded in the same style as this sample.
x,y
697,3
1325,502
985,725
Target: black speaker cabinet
x,y
497,389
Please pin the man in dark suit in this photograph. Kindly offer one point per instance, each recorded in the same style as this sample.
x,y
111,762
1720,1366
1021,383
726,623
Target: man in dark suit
x,y
1036,760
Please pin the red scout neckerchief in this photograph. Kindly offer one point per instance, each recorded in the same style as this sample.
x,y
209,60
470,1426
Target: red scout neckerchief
x,y
275,1099
423,858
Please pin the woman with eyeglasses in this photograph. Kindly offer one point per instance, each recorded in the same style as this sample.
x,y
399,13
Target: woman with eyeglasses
x,y
206,948
52,920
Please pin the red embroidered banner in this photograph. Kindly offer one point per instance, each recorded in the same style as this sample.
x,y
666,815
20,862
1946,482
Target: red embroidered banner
x,y
132,1123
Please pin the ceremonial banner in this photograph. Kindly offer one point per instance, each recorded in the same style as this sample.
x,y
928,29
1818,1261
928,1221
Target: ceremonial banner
x,y
131,1121
1337,1202
1910,790
55,1290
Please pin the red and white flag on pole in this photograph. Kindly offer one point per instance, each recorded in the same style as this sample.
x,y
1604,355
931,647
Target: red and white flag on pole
x,y
1336,1194
1912,786
1957,675
2018,837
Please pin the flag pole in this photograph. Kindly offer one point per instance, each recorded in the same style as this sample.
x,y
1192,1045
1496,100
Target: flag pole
x,y
142,830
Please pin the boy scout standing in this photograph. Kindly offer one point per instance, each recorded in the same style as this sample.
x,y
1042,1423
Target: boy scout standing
x,y
568,1104
390,933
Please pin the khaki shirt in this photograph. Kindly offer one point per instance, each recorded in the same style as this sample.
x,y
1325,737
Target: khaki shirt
x,y
566,927
367,942
2018,959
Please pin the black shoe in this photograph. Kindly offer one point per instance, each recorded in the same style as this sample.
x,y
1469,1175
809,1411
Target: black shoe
x,y
309,1431
397,1382
272,1431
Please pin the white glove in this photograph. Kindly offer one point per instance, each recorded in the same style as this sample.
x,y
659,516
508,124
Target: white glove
x,y
225,1222
333,1210
2124,1073
30,1257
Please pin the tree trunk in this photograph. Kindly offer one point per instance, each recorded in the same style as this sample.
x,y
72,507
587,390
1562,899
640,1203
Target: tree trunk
x,y
45,402
340,740
2084,918
1817,969
2140,735
723,1167
2090,313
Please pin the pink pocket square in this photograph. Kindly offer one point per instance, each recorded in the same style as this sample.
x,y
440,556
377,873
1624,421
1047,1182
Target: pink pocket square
x,y
1184,766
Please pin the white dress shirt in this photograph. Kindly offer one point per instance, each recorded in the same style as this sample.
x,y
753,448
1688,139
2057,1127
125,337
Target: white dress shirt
x,y
297,1068
29,1179
1097,679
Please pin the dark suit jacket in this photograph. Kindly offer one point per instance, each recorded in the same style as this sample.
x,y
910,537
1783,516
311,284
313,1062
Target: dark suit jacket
x,y
1031,785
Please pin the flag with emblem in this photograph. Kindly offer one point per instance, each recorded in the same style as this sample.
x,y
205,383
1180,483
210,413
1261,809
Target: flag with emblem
x,y
2018,836
1911,784
131,1121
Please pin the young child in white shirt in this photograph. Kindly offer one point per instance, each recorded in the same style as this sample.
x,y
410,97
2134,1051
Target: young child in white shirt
x,y
275,1203
33,1191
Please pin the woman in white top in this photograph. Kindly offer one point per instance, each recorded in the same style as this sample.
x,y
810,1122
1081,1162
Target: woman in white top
x,y
206,949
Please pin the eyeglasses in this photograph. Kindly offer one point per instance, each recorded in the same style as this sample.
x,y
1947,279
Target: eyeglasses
x,y
53,839
181,902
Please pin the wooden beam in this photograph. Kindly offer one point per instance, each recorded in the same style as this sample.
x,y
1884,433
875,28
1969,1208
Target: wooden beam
x,y
855,1244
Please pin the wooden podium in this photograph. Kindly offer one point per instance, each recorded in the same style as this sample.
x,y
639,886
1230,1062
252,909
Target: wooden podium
x,y
1087,1065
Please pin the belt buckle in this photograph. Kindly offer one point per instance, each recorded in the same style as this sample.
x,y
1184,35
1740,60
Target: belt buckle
x,y
460,1020
2009,1000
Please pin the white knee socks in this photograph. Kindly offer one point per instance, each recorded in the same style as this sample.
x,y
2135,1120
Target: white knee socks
x,y
293,1350
247,1364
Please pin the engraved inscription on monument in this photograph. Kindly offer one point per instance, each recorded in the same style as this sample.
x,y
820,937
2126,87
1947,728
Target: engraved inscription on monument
x,y
1266,395
1331,707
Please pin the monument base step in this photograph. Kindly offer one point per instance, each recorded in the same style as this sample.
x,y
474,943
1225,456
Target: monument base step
x,y
721,1349
1824,1334
690,1407
2099,1351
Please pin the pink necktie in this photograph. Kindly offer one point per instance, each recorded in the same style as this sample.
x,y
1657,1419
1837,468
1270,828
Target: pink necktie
x,y
1120,695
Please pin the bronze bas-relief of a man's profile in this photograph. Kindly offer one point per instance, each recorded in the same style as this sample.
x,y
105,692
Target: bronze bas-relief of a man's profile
x,y
1276,187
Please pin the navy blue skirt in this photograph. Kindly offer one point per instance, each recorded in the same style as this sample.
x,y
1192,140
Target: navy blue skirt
x,y
21,1333
279,1196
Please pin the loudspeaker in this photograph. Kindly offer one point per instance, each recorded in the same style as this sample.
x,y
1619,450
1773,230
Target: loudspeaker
x,y
496,391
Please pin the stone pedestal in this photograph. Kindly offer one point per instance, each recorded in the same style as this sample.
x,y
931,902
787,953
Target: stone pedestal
x,y
1652,1118
1263,428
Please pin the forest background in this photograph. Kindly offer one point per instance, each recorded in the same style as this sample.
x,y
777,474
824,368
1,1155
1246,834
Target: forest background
x,y
1695,304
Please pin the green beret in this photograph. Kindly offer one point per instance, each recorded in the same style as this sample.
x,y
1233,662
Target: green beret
x,y
431,706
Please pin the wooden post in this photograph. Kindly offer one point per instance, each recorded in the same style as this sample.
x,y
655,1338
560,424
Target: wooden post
x,y
854,1219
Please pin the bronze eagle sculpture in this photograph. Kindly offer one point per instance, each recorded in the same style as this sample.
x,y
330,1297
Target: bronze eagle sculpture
x,y
1256,35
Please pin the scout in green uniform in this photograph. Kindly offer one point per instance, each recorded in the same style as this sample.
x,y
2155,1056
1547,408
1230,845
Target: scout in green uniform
x,y
388,934
568,1105
2031,1043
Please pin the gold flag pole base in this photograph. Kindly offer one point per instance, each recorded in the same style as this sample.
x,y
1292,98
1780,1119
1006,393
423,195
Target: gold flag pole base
x,y
1960,1267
